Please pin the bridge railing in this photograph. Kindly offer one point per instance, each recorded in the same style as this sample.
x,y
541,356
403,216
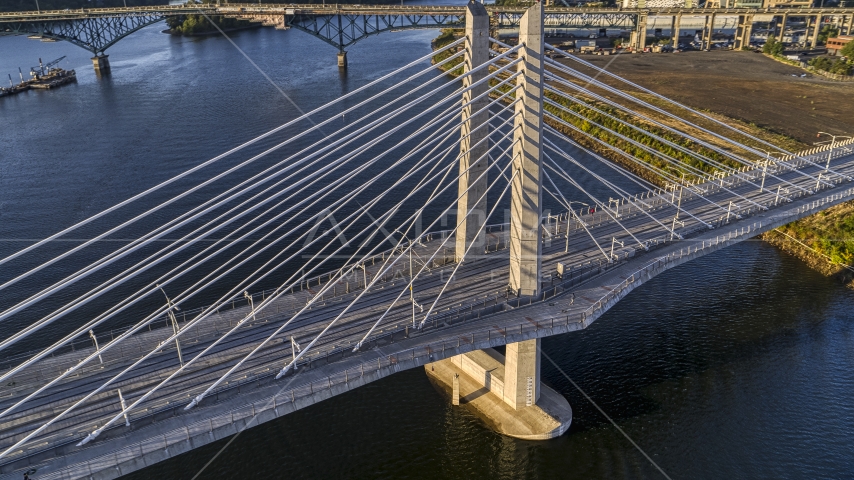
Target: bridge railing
x,y
420,355
217,324
662,263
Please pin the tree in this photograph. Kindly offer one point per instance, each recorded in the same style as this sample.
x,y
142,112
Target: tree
x,y
827,32
848,51
839,66
773,47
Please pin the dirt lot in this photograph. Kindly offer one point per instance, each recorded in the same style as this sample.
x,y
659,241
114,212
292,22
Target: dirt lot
x,y
743,85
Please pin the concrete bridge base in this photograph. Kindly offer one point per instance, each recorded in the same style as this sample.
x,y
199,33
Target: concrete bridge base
x,y
479,379
101,63
342,60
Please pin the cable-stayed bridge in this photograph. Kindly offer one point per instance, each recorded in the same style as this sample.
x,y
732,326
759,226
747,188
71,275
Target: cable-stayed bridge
x,y
401,224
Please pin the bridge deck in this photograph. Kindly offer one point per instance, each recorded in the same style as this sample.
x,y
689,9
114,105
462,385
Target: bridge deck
x,y
473,313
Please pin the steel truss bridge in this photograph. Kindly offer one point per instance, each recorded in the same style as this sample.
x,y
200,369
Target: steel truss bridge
x,y
338,25
383,286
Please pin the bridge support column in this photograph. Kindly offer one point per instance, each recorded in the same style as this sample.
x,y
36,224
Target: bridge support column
x,y
101,63
674,32
708,32
638,40
474,144
744,31
342,60
522,373
526,190
782,26
505,391
816,30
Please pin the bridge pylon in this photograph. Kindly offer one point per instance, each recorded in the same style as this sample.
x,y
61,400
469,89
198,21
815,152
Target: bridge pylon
x,y
516,403
526,201
474,136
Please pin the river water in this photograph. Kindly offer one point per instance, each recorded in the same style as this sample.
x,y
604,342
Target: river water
x,y
738,365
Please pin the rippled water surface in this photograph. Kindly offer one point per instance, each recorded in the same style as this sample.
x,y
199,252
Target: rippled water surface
x,y
738,365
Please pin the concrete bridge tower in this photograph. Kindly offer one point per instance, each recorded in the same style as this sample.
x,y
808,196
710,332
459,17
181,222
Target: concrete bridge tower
x,y
513,403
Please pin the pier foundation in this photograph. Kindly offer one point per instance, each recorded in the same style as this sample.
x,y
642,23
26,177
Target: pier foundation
x,y
101,63
505,393
342,60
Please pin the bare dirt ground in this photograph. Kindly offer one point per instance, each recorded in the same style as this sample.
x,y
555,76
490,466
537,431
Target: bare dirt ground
x,y
743,85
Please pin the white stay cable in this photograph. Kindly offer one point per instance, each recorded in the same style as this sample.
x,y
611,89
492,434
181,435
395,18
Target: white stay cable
x,y
607,210
460,261
662,156
614,104
186,328
103,386
672,161
179,298
95,433
560,152
618,92
373,281
339,142
166,278
494,161
568,206
324,170
227,153
695,155
319,294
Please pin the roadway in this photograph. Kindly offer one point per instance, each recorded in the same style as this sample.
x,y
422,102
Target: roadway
x,y
476,308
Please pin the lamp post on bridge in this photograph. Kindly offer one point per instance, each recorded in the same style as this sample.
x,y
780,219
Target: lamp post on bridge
x,y
569,206
411,279
832,144
174,320
97,348
294,349
729,210
251,303
765,168
613,241
364,273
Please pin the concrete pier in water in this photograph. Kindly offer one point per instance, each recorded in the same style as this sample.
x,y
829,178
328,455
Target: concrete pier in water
x,y
101,63
505,393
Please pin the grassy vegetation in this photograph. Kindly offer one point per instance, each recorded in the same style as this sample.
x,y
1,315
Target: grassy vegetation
x,y
635,137
839,66
830,232
199,24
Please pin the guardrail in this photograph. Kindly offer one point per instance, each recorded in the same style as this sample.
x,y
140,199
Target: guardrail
x,y
424,354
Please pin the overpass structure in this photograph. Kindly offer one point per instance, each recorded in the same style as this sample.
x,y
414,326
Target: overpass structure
x,y
341,26
375,291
